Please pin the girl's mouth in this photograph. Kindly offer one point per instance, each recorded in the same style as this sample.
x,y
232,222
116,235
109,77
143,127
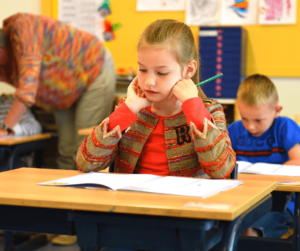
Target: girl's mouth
x,y
151,92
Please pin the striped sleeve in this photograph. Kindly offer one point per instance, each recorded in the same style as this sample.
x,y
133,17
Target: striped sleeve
x,y
26,38
213,145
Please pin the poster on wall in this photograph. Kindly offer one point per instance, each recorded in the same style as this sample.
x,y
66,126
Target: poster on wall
x,y
203,12
239,12
160,5
85,15
277,11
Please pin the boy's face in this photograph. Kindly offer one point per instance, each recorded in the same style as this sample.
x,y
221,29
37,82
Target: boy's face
x,y
258,119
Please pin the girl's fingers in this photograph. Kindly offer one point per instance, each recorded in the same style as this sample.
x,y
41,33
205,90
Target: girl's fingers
x,y
174,100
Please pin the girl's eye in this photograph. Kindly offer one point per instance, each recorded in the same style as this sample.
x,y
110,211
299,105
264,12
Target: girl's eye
x,y
142,70
162,73
258,120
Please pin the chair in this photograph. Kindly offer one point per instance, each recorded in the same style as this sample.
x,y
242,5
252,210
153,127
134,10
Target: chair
x,y
234,173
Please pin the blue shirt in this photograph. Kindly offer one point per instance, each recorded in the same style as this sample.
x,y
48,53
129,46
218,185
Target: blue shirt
x,y
271,147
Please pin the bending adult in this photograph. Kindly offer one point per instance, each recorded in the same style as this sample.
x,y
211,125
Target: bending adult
x,y
59,68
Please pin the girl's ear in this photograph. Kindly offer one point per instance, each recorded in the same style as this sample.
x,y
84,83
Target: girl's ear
x,y
190,69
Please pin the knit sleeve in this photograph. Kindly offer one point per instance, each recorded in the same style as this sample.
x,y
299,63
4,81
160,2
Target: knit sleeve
x,y
101,146
212,144
98,150
26,39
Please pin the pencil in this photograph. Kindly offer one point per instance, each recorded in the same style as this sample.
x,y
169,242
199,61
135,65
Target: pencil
x,y
210,79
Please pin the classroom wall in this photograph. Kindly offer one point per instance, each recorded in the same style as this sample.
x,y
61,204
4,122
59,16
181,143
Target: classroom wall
x,y
8,8
124,47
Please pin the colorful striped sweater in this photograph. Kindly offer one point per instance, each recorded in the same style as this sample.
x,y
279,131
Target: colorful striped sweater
x,y
208,154
52,63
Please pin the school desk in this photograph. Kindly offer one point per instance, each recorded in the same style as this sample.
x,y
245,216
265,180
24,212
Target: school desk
x,y
19,145
128,219
249,243
85,131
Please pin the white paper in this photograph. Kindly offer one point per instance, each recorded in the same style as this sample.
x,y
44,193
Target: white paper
x,y
239,12
278,11
160,5
82,14
242,165
268,169
110,180
183,186
288,171
263,168
203,12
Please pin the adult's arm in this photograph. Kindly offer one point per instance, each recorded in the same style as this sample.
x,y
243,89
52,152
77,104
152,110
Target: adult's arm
x,y
14,115
24,35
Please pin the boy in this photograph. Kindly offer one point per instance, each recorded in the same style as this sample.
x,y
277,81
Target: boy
x,y
263,136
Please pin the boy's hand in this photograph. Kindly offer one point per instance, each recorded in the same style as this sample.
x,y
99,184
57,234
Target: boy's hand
x,y
183,90
136,99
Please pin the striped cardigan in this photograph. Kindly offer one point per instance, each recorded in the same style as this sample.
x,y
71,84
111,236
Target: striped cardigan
x,y
207,154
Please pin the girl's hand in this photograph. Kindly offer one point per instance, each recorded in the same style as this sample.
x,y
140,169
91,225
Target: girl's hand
x,y
136,99
183,90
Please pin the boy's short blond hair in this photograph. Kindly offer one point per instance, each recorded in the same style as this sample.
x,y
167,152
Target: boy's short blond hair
x,y
256,90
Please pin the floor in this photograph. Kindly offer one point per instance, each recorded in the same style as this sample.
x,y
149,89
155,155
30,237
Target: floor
x,y
48,247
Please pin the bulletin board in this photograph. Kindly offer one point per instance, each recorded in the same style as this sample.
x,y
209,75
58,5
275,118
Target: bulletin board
x,y
272,50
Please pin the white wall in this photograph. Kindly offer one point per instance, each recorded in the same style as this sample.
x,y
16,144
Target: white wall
x,y
289,94
8,8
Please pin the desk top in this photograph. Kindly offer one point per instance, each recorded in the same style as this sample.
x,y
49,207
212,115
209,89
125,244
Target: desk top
x,y
18,187
285,187
85,131
19,140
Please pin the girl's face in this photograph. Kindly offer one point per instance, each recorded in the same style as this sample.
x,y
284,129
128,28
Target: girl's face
x,y
158,72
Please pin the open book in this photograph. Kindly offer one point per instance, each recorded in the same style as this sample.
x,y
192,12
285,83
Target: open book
x,y
268,169
149,183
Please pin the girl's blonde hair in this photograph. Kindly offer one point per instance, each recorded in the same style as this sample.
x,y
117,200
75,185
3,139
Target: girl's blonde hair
x,y
178,38
256,90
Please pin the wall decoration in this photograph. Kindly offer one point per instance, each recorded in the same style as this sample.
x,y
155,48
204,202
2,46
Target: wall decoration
x,y
90,16
203,12
239,12
160,5
278,11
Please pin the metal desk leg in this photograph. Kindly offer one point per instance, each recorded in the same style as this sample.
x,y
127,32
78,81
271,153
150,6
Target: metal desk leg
x,y
234,229
296,236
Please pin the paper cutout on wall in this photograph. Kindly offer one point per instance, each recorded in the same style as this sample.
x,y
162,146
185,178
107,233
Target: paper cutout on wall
x,y
160,5
82,14
104,9
278,12
202,12
109,30
239,12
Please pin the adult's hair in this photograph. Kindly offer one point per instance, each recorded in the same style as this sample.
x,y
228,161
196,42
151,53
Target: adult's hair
x,y
178,38
2,38
256,90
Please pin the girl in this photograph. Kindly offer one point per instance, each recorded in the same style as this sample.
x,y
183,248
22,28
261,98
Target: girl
x,y
163,127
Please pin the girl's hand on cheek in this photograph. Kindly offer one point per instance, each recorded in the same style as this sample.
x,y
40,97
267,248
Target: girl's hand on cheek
x,y
136,99
184,89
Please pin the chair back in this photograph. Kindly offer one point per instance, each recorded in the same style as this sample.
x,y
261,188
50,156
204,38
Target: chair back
x,y
234,172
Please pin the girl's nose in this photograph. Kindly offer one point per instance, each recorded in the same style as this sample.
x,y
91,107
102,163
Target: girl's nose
x,y
150,81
